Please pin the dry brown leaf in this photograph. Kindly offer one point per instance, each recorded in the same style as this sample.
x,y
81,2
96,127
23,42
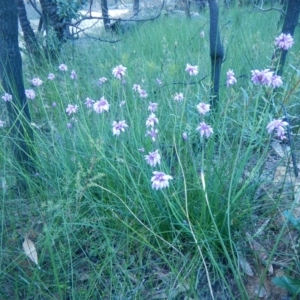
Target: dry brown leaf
x,y
261,291
245,266
281,175
260,230
278,148
30,250
260,252
84,276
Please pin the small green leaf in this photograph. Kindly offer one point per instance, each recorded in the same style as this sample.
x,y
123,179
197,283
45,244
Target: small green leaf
x,y
288,283
291,218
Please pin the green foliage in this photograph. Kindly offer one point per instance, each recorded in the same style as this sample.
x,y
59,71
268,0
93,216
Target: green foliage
x,y
295,222
68,9
288,283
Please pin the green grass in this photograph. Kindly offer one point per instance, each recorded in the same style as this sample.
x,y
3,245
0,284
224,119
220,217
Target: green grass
x,y
100,230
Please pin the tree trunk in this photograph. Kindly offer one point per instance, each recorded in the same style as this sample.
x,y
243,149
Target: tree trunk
x,y
50,18
105,16
186,6
216,52
289,25
29,36
12,82
136,7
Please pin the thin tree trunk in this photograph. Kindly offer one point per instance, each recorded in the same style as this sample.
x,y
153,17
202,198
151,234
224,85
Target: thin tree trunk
x,y
105,16
12,82
29,36
289,25
186,6
50,18
216,52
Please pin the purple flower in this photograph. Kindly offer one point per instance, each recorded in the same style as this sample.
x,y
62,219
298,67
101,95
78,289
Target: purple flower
x,y
136,87
178,97
118,127
143,93
192,70
276,81
102,80
7,97
63,67
152,106
73,75
71,109
158,81
119,72
36,81
30,94
202,34
204,129
89,102
278,126
69,125
151,120
153,158
152,133
262,77
51,76
101,106
2,123
231,80
284,41
160,180
141,149
122,103
203,108
185,136
54,104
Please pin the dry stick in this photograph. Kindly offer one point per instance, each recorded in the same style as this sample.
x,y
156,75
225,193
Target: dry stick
x,y
289,141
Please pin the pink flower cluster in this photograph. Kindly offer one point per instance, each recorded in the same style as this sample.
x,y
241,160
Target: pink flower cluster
x,y
7,97
142,93
277,126
119,72
36,81
192,70
284,41
119,127
178,97
266,77
159,180
151,121
203,128
73,75
71,109
101,105
231,80
153,158
30,94
152,106
102,80
63,67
